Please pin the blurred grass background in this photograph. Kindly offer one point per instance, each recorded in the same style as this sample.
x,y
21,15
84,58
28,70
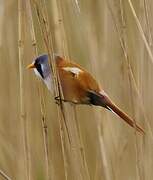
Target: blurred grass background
x,y
113,40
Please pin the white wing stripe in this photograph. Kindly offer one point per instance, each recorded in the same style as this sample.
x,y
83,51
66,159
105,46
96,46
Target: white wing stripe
x,y
73,70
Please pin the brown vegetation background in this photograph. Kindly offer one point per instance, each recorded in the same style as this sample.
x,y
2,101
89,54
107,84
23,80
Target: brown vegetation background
x,y
110,38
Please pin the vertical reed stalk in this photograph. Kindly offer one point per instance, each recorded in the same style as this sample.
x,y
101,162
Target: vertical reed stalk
x,y
81,145
116,44
104,158
46,34
147,11
61,36
41,94
138,167
131,75
141,30
77,147
24,131
93,56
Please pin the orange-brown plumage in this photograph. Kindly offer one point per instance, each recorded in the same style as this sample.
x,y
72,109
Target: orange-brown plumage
x,y
76,88
80,87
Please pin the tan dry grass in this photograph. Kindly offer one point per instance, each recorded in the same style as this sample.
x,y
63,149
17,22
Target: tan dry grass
x,y
114,42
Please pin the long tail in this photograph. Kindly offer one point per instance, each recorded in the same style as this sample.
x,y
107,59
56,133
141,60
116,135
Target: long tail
x,y
101,99
125,117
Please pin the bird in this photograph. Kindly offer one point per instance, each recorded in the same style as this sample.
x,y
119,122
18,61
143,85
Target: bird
x,y
78,85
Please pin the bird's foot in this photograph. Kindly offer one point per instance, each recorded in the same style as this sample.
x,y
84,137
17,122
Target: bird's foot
x,y
58,100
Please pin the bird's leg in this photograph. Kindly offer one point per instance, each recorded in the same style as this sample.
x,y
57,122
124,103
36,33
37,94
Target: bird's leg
x,y
58,99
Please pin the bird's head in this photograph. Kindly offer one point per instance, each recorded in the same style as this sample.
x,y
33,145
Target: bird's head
x,y
40,66
42,69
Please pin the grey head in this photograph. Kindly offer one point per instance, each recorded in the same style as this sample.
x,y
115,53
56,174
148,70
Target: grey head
x,y
42,70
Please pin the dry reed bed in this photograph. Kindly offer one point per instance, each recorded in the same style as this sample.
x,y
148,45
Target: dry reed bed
x,y
41,140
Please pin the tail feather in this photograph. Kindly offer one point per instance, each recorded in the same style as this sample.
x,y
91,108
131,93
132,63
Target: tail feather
x,y
101,99
125,117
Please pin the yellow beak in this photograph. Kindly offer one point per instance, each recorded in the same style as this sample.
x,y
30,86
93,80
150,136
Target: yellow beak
x,y
30,66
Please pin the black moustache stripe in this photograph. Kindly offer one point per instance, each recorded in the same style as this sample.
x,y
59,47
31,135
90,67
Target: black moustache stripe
x,y
39,69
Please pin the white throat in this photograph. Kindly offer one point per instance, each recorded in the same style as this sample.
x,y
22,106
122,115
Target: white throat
x,y
47,80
